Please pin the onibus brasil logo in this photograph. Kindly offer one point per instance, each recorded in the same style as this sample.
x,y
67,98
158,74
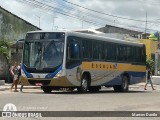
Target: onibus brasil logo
x,y
8,109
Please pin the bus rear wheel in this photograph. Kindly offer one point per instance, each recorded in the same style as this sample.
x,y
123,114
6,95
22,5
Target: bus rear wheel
x,y
84,84
124,85
47,89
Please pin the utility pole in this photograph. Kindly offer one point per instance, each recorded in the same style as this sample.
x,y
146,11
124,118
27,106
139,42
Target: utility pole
x,y
146,26
156,63
82,22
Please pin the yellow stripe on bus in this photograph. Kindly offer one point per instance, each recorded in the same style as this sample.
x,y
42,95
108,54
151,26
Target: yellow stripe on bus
x,y
112,66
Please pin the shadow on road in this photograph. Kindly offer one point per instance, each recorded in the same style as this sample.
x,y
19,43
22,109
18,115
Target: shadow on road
x,y
75,92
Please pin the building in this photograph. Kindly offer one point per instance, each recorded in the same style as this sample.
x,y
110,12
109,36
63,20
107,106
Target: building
x,y
12,28
120,30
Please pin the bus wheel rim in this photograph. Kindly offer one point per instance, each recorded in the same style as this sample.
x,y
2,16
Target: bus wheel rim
x,y
124,83
84,83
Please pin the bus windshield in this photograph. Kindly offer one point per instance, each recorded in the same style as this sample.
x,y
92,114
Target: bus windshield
x,y
43,53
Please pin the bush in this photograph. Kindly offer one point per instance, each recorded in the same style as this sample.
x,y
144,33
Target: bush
x,y
150,64
4,49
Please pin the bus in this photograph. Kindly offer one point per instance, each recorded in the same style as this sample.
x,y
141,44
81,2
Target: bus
x,y
86,62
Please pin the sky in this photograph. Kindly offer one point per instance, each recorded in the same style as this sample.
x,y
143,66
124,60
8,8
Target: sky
x,y
87,14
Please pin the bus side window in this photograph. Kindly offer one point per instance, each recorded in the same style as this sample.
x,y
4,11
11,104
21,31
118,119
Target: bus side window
x,y
106,50
120,57
129,55
125,53
138,54
87,49
143,53
110,52
26,54
98,53
134,54
73,50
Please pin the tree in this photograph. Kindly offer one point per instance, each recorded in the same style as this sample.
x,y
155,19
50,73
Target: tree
x,y
4,49
150,64
158,46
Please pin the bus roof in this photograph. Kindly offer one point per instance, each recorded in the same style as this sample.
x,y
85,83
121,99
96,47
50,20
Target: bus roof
x,y
92,36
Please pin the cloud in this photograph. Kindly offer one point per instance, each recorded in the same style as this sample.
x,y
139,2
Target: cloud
x,y
51,19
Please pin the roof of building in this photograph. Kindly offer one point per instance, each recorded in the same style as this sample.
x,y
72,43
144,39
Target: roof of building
x,y
19,18
104,29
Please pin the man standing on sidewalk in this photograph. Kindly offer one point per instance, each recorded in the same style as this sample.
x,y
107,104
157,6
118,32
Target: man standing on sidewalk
x,y
14,71
148,79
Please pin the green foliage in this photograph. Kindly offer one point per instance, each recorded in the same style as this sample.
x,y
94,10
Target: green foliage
x,y
150,64
4,49
158,46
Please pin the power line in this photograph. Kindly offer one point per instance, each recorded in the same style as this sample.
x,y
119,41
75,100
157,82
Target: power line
x,y
57,10
106,13
47,7
78,11
50,8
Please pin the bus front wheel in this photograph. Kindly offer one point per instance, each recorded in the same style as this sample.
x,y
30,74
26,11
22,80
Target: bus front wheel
x,y
124,85
47,89
84,84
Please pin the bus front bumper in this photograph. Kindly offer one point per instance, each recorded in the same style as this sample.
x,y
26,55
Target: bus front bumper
x,y
60,81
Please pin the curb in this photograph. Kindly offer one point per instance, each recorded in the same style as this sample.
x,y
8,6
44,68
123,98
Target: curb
x,y
3,89
2,82
25,87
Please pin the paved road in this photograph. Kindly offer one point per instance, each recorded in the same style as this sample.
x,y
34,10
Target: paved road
x,y
106,100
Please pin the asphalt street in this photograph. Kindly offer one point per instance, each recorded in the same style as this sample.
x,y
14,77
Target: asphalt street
x,y
106,100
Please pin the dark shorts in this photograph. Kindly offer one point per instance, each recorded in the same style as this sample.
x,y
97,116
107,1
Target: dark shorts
x,y
149,81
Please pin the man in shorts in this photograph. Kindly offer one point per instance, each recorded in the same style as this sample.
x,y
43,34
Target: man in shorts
x,y
14,72
148,79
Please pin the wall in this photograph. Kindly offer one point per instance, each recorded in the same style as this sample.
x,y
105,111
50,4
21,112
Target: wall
x,y
150,47
3,67
12,28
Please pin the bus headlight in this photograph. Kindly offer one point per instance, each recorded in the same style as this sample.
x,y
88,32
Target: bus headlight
x,y
59,74
23,74
28,75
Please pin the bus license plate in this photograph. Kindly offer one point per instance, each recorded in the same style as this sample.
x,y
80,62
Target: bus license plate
x,y
39,84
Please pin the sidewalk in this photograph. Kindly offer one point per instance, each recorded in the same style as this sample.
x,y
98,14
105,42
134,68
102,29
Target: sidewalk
x,y
7,87
141,86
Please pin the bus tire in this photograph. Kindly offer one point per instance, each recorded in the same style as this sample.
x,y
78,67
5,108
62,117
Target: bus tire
x,y
69,89
94,89
124,85
84,84
117,88
47,89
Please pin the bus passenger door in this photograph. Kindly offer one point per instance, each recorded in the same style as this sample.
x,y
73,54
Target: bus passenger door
x,y
73,61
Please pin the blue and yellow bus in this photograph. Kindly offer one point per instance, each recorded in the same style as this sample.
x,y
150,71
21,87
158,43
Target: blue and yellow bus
x,y
66,59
